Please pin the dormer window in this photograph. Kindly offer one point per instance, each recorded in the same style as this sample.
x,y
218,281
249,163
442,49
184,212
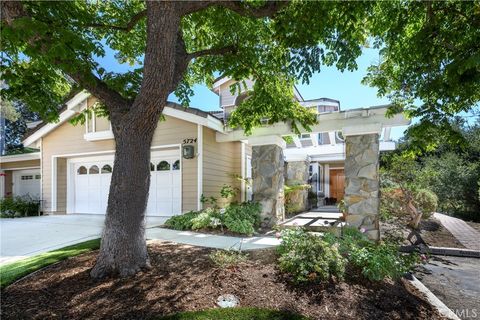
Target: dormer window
x,y
96,127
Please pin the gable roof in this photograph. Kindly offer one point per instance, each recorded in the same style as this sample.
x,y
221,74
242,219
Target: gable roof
x,y
79,101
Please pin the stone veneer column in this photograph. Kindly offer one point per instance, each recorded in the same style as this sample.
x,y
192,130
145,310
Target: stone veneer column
x,y
296,174
268,181
362,183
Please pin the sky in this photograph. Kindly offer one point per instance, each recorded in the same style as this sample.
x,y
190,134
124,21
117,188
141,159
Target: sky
x,y
328,83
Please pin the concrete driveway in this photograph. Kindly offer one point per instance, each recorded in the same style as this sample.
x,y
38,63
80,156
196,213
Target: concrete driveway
x,y
25,237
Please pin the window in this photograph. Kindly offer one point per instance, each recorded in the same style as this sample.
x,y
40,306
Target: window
x,y
163,166
107,169
176,165
152,167
93,170
26,177
38,177
82,170
339,136
304,136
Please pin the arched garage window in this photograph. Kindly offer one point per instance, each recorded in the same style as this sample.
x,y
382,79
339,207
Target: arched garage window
x,y
176,165
107,169
93,170
152,167
163,166
82,170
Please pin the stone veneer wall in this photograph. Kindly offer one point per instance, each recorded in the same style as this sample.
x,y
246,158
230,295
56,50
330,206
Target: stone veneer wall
x,y
296,174
362,183
268,182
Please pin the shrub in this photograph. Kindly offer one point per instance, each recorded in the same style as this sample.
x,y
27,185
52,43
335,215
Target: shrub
x,y
394,202
376,261
19,206
182,222
227,258
379,261
208,218
308,257
242,218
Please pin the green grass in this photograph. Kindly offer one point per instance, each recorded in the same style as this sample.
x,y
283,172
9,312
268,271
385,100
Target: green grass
x,y
11,272
235,314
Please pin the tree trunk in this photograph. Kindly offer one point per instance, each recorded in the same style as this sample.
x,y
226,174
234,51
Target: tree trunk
x,y
123,248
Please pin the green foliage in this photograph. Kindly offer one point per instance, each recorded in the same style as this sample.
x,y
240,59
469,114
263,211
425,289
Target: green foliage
x,y
242,218
451,170
13,271
243,313
212,201
429,62
228,191
308,257
11,207
182,221
379,261
228,258
376,261
208,218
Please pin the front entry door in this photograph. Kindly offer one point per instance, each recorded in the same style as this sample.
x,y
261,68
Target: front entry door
x,y
337,183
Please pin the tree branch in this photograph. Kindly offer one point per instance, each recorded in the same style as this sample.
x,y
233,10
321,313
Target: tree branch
x,y
127,28
268,10
112,98
212,52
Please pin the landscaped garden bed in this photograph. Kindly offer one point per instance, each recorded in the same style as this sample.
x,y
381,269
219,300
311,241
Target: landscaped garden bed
x,y
185,278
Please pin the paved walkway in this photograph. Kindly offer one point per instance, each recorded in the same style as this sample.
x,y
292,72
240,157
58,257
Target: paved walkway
x,y
211,240
467,236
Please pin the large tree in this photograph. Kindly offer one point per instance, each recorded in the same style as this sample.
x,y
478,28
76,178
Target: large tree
x,y
47,46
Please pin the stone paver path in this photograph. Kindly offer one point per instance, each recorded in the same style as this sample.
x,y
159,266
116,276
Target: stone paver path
x,y
468,236
212,240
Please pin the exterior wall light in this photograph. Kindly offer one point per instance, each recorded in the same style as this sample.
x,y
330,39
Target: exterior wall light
x,y
188,152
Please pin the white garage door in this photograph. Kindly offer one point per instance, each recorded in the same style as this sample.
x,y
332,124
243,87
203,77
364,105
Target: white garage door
x,y
92,185
27,183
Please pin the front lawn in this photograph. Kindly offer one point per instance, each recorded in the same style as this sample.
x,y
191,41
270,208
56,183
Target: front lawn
x,y
185,279
235,314
9,273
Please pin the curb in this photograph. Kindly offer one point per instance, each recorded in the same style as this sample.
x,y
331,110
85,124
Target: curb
x,y
443,251
433,299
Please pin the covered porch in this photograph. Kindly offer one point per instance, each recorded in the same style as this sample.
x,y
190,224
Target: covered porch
x,y
355,177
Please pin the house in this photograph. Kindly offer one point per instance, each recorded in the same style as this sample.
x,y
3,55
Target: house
x,y
71,171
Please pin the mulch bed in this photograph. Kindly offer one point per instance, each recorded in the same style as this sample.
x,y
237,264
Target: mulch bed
x,y
184,278
431,230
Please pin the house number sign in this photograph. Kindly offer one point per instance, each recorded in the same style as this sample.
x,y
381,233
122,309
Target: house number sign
x,y
189,140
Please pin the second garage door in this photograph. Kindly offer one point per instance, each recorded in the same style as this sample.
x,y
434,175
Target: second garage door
x,y
92,184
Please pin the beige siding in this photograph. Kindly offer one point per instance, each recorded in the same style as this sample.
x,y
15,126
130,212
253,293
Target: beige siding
x,y
102,124
220,162
226,96
19,164
67,140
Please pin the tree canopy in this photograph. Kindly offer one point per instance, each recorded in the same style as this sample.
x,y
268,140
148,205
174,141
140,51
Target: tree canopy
x,y
429,52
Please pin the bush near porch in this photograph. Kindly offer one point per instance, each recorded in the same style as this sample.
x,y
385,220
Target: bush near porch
x,y
240,218
308,257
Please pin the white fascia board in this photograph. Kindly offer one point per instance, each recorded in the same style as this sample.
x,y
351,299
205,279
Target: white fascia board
x,y
297,141
267,140
335,121
209,122
20,157
324,149
99,135
74,105
216,85
78,102
297,94
359,129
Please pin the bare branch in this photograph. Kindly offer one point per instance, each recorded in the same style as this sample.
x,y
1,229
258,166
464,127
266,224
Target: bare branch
x,y
127,28
11,10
